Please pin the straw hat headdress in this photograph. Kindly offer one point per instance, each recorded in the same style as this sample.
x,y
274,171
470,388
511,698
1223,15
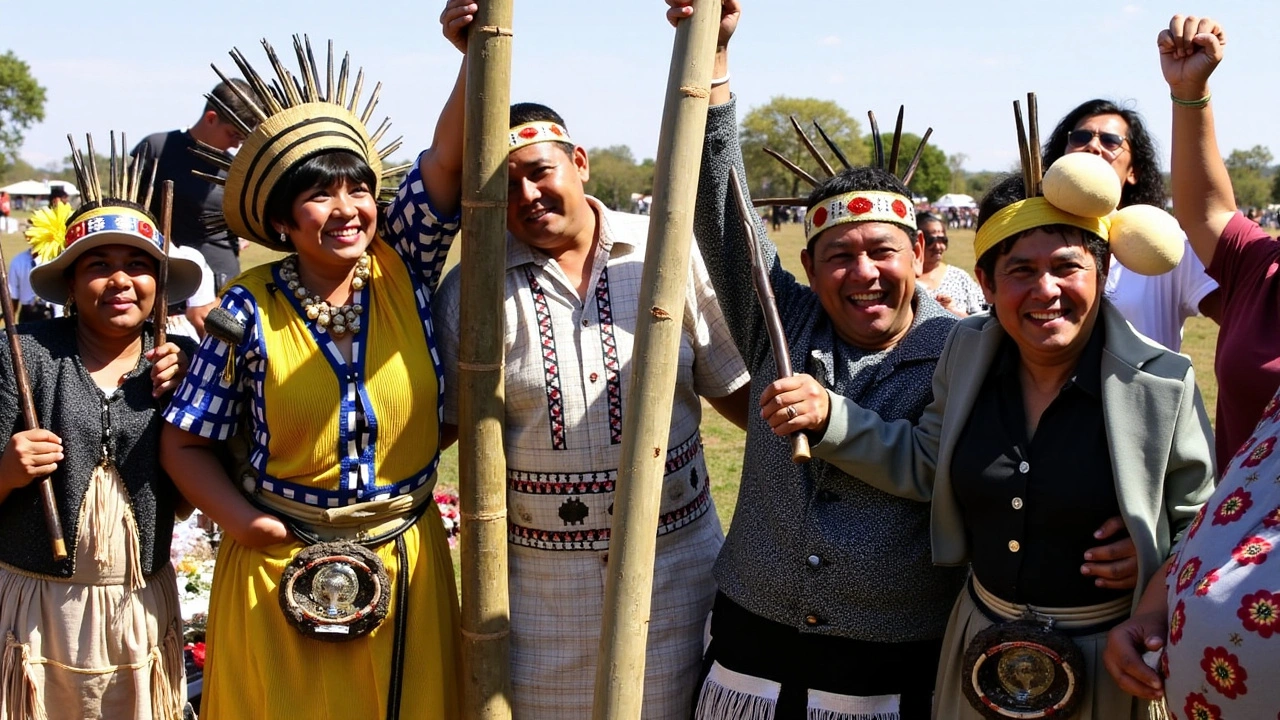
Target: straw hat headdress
x,y
116,215
298,117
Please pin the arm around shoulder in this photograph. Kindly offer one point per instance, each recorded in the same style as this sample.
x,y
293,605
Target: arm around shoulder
x,y
898,457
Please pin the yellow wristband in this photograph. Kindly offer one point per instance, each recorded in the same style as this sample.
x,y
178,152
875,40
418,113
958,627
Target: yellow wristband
x,y
1190,103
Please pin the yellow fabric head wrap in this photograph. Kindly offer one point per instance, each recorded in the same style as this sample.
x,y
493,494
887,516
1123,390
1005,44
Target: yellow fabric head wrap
x,y
1028,214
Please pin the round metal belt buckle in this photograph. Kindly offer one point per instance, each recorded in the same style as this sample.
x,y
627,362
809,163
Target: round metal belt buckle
x,y
335,591
1023,669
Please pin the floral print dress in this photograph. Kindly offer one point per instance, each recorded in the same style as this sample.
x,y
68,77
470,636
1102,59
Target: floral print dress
x,y
1222,658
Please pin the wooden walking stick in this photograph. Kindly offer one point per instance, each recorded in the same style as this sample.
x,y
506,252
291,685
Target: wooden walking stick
x,y
619,689
47,500
768,306
482,497
160,312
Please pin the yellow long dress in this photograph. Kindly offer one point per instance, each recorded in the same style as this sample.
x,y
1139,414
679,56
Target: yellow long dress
x,y
326,434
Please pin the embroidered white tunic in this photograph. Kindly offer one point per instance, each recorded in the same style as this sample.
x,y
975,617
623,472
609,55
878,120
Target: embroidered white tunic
x,y
568,365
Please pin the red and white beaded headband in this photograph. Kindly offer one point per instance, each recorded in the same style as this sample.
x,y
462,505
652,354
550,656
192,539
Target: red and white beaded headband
x,y
860,206
857,206
536,132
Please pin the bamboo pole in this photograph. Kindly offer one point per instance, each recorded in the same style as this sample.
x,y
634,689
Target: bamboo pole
x,y
486,615
619,688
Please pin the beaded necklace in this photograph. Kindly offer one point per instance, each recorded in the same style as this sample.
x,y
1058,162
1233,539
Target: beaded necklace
x,y
338,320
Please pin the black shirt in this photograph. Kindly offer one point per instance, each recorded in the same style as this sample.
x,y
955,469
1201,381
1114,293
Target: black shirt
x,y
194,198
1031,505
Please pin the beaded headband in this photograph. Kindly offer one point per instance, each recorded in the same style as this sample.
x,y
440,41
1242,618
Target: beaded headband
x,y
297,119
858,206
536,132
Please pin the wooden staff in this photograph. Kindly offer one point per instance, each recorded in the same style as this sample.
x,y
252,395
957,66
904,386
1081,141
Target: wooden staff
x,y
482,496
619,688
769,306
47,500
160,310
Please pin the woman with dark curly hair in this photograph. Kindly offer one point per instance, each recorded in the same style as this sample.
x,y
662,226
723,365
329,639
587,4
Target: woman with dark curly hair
x,y
1159,305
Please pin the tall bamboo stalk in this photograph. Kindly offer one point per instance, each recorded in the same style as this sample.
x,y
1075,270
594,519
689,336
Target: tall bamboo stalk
x,y
619,689
486,614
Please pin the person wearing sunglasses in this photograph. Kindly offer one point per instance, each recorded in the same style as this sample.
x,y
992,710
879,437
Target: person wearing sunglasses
x,y
952,287
1157,306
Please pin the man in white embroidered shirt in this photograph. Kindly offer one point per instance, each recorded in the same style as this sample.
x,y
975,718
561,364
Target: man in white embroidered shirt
x,y
572,287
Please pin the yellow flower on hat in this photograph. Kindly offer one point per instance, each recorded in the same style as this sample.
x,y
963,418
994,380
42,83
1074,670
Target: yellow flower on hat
x,y
48,232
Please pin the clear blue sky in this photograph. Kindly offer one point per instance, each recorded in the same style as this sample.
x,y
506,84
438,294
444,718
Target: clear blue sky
x,y
142,65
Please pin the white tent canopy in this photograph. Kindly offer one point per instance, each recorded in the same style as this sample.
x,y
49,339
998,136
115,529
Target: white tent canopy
x,y
955,200
37,188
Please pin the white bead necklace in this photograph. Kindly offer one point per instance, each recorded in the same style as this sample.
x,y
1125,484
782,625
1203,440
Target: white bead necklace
x,y
338,320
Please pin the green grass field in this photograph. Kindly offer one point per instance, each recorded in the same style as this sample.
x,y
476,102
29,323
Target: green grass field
x,y
723,441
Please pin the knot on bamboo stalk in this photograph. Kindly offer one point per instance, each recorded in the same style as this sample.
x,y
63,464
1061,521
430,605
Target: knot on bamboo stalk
x,y
694,91
484,516
471,204
659,313
501,634
496,30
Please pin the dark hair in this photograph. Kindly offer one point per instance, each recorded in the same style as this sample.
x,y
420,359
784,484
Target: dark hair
x,y
317,171
854,180
1009,191
224,93
58,191
527,112
923,218
1148,187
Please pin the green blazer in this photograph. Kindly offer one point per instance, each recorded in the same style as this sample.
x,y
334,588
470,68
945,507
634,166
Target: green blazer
x,y
1157,429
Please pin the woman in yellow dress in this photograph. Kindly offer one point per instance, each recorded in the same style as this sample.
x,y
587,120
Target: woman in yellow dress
x,y
324,364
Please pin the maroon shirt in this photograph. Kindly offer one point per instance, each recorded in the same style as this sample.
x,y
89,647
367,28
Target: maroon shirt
x,y
1248,357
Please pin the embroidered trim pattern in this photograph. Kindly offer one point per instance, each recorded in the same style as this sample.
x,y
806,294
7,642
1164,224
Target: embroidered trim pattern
x,y
610,346
597,483
550,363
598,539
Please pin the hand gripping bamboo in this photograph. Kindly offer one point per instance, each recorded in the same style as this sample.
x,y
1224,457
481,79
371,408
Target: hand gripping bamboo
x,y
486,616
769,307
619,689
47,500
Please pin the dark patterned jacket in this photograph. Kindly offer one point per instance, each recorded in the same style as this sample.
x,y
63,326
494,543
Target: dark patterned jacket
x,y
69,404
810,546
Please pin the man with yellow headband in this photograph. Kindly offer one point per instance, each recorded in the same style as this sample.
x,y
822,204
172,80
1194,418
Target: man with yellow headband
x,y
572,287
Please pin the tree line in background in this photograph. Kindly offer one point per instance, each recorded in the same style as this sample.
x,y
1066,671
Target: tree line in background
x,y
616,175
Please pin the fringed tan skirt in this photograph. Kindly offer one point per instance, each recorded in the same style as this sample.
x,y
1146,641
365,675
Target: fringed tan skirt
x,y
1103,699
95,645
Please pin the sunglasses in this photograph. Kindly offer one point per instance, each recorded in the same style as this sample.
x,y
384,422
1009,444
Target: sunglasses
x,y
1110,142
930,240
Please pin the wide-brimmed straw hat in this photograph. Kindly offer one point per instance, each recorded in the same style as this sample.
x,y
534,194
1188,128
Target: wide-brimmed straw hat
x,y
59,237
